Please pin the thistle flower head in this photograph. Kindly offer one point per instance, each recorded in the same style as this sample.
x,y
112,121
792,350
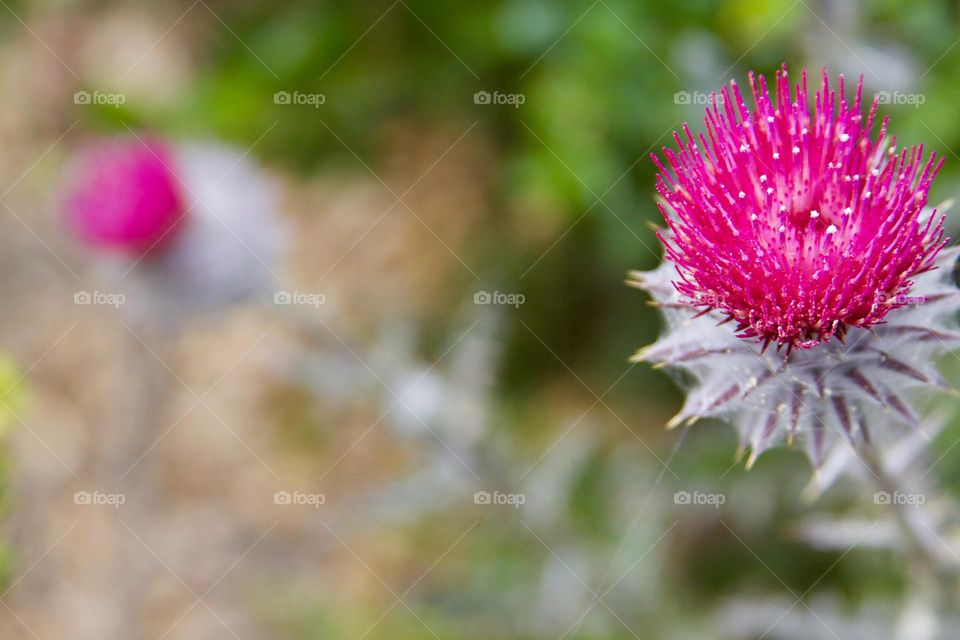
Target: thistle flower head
x,y
796,221
123,195
206,215
796,225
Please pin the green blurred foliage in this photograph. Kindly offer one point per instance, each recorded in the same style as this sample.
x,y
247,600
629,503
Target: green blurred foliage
x,y
12,400
12,392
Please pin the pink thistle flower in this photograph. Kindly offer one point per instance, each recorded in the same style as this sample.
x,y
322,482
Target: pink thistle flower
x,y
124,196
197,225
796,225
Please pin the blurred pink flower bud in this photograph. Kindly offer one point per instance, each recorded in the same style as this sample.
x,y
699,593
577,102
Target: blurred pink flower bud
x,y
191,226
123,195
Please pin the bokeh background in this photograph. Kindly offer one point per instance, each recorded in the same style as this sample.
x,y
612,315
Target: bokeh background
x,y
456,150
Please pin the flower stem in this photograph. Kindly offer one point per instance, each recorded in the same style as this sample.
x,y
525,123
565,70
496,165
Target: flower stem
x,y
933,568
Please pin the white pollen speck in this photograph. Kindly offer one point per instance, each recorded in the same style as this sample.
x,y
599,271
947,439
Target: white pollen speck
x,y
769,190
814,214
847,211
875,172
742,195
753,216
776,155
844,137
796,150
770,119
867,194
804,132
782,228
783,208
832,229
763,178
744,148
